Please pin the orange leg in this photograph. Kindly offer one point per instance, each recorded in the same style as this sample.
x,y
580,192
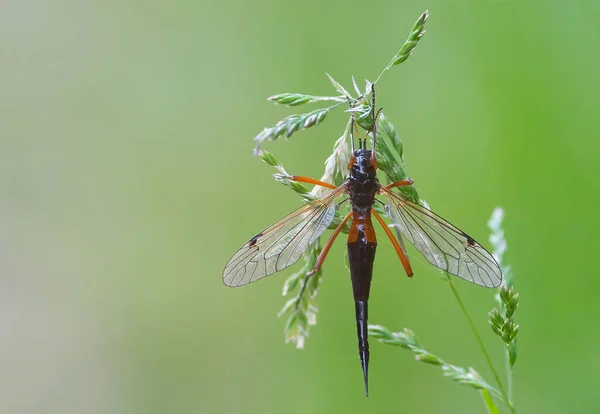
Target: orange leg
x,y
323,254
302,179
396,245
400,183
356,129
328,245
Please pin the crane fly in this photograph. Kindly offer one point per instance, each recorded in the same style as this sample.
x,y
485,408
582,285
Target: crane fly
x,y
283,243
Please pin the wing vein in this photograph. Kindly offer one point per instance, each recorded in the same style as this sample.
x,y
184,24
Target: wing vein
x,y
443,245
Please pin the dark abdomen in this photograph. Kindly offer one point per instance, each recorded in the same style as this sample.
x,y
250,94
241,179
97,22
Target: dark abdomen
x,y
361,255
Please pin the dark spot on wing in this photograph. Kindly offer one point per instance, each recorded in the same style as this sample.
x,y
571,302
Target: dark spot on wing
x,y
254,239
470,241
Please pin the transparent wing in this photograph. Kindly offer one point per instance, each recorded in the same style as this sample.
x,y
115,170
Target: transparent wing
x,y
442,244
282,244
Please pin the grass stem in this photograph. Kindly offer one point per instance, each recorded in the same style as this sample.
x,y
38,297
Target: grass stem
x,y
482,346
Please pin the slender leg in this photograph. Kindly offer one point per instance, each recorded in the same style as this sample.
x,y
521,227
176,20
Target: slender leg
x,y
328,245
360,145
352,134
397,247
302,179
399,183
323,254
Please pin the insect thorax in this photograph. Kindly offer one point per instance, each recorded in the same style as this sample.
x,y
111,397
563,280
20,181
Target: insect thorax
x,y
363,184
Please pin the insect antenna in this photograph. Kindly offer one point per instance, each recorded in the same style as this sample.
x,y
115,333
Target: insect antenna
x,y
374,117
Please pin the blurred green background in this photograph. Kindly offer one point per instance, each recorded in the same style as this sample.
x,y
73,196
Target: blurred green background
x,y
127,181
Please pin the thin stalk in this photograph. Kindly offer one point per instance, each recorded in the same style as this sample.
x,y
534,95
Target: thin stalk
x,y
406,50
509,374
481,345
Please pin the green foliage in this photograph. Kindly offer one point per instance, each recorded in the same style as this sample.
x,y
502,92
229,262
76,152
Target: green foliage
x,y
407,339
499,247
295,99
501,321
501,318
287,126
502,324
301,309
390,156
359,106
489,402
407,48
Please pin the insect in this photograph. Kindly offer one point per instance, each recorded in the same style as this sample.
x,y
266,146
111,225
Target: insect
x,y
284,242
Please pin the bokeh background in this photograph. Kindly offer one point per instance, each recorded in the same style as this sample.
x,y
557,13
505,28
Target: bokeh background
x,y
127,181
